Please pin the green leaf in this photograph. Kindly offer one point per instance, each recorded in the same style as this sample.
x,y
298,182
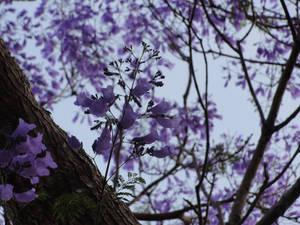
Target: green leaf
x,y
70,207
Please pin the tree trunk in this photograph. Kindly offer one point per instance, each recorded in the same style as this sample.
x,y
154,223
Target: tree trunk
x,y
75,174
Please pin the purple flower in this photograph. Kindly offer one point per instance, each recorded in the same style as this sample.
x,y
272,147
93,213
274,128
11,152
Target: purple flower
x,y
141,87
6,191
168,123
39,11
22,129
26,196
74,143
240,166
163,205
294,90
31,171
107,17
39,167
53,73
108,94
48,161
21,160
103,143
98,107
34,180
128,117
260,90
129,165
161,108
147,139
33,145
165,151
83,100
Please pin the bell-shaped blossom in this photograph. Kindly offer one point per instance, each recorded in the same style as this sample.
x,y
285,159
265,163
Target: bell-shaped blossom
x,y
42,164
33,145
147,139
161,108
20,160
39,167
129,116
34,180
108,94
22,129
98,107
6,192
74,143
165,151
103,143
168,122
26,196
48,161
142,86
31,171
83,100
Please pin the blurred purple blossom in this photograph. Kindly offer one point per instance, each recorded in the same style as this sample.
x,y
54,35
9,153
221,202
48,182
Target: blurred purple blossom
x,y
83,100
103,144
168,122
141,87
128,117
6,192
39,11
22,129
161,108
32,145
74,143
26,196
164,152
108,94
98,107
147,139
164,205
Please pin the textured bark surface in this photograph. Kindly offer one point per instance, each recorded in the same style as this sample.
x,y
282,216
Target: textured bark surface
x,y
75,173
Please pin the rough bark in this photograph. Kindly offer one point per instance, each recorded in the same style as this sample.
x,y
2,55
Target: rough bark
x,y
75,173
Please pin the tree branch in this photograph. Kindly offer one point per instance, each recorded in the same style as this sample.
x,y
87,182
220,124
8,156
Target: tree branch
x,y
177,214
290,23
288,198
252,92
289,119
267,131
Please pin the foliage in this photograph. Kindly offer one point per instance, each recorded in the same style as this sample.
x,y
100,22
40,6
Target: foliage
x,y
126,188
70,207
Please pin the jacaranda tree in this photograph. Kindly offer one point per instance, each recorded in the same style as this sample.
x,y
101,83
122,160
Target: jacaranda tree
x,y
164,161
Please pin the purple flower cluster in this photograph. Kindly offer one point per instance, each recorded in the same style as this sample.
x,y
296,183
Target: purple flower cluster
x,y
97,107
136,89
26,156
